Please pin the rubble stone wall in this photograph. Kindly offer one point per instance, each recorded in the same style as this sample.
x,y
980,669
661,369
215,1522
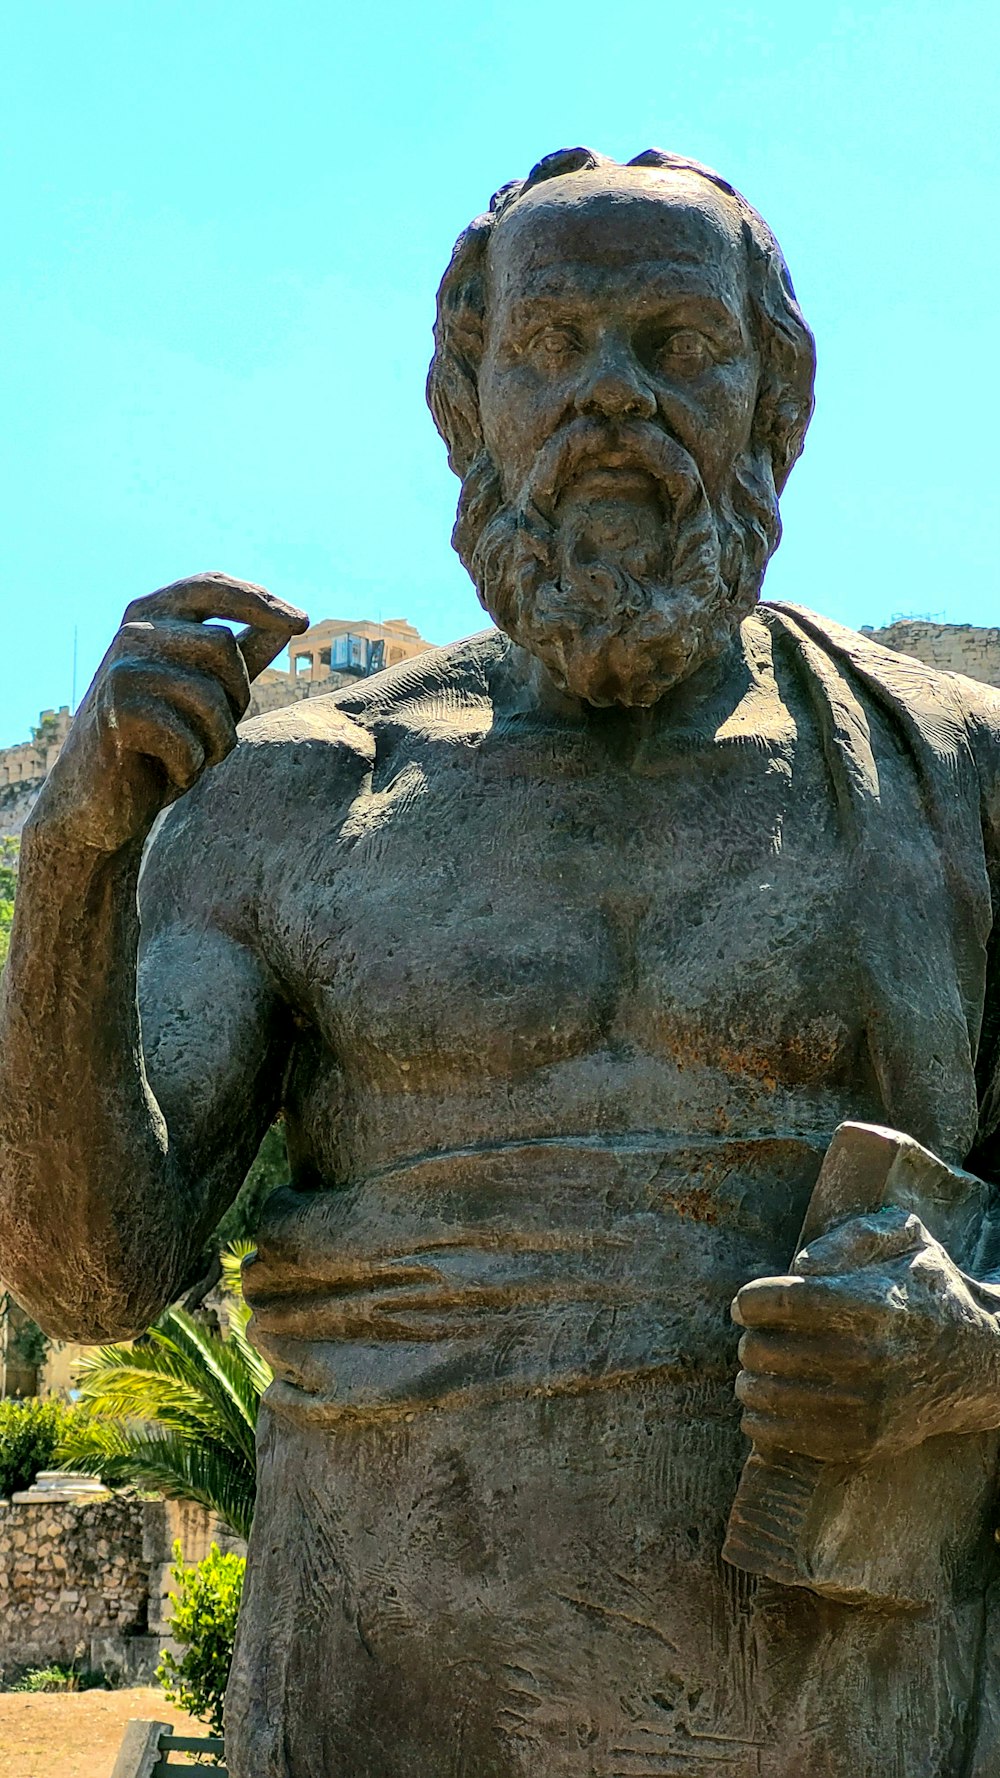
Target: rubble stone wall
x,y
16,803
72,1579
88,1581
275,690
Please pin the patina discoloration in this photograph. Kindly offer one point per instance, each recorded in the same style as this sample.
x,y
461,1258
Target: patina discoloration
x,y
564,952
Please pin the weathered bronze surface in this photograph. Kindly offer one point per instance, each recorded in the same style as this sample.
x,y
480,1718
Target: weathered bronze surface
x,y
564,951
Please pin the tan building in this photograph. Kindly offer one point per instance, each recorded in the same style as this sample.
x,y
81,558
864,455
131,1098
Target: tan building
x,y
356,647
332,653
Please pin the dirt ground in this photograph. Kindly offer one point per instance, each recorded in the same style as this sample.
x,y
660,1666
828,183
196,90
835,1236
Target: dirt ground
x,y
75,1734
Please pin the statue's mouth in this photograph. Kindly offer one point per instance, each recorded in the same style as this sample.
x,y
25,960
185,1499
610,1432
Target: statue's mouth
x,y
636,464
610,480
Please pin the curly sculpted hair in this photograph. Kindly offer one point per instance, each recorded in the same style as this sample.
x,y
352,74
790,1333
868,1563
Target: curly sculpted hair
x,y
787,352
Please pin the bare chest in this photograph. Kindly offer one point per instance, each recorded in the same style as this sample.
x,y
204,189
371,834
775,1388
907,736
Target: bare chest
x,y
523,910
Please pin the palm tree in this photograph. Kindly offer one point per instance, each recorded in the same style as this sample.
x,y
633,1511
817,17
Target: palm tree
x,y
177,1411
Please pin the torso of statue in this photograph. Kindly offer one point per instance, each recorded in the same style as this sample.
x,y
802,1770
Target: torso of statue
x,y
558,903
577,1003
536,931
556,967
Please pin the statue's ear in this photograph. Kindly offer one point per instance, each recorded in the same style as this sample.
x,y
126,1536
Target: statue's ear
x,y
452,380
785,398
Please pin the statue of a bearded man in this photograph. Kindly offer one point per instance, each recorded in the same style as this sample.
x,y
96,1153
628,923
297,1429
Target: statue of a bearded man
x,y
563,951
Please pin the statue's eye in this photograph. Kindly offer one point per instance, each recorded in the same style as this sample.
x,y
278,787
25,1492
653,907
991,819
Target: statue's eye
x,y
554,343
684,349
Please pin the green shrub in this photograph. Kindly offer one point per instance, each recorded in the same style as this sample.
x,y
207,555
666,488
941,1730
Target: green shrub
x,y
8,883
206,1605
60,1679
30,1434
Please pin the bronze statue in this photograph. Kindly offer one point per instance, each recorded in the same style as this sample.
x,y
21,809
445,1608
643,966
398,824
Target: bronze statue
x,y
564,951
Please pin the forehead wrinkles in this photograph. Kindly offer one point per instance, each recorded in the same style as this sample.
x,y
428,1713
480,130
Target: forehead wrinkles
x,y
590,239
648,285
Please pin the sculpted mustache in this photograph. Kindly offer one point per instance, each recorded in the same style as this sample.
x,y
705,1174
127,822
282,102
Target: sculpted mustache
x,y
634,444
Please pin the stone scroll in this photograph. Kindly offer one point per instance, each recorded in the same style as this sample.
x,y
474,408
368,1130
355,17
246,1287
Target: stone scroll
x,y
905,1530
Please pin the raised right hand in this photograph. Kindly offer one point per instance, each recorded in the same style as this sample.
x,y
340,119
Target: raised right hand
x,y
163,707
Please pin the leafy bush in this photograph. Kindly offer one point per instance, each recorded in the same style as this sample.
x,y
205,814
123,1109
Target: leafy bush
x,y
206,1606
60,1679
8,883
31,1432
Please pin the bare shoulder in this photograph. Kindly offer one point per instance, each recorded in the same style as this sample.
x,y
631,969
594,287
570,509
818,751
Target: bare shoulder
x,y
441,686
212,850
291,780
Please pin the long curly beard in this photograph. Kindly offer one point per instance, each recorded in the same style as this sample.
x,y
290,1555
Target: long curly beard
x,y
620,598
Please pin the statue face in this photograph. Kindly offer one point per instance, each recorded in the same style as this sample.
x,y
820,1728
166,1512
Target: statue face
x,y
618,520
615,294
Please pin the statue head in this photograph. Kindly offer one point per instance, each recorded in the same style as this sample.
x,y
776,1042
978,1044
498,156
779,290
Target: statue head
x,y
623,379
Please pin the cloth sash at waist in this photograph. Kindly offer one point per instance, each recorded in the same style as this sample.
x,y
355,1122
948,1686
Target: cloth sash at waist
x,y
559,1265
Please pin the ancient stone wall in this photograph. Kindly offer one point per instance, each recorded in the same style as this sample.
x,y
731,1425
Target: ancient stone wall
x,y
955,648
16,801
24,768
73,1580
88,1580
30,760
274,690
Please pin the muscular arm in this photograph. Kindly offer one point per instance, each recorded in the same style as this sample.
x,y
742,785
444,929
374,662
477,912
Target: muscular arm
x,y
114,1166
110,1186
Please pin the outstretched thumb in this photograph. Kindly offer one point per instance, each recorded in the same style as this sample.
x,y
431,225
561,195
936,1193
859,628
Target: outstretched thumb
x,y
861,1241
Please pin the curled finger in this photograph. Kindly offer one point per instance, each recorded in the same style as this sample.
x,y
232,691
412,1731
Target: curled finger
x,y
787,1398
822,1357
213,594
259,647
803,1303
152,685
161,735
208,649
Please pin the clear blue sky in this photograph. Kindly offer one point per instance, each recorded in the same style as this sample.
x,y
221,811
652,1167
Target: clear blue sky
x,y
224,227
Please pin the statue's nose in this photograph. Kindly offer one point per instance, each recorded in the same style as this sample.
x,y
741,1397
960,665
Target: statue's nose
x,y
616,386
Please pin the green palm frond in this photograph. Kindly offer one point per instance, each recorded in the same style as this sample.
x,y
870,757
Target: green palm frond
x,y
177,1466
218,1366
177,1411
180,1377
257,1368
232,1268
